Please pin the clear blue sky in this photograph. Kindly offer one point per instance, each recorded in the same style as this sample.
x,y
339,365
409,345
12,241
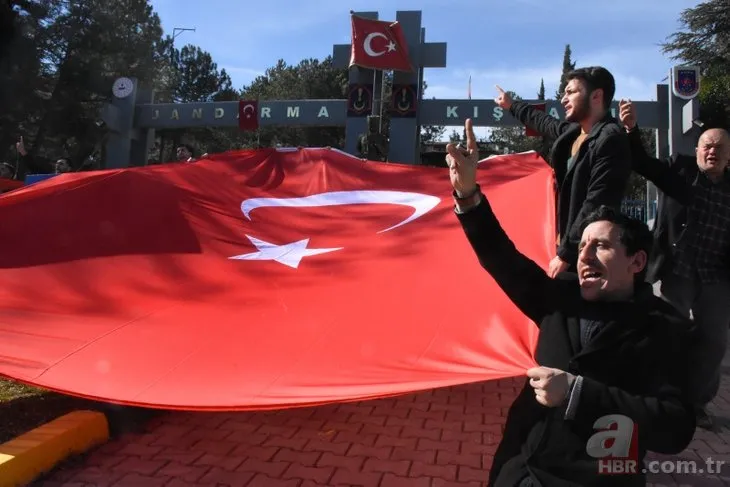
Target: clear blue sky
x,y
513,43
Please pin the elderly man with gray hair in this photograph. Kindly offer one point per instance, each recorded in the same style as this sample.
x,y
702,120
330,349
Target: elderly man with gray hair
x,y
691,265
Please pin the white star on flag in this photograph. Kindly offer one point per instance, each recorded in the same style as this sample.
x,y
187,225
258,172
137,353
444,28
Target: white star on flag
x,y
290,254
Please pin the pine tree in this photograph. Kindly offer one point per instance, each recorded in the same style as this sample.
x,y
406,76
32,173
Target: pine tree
x,y
568,66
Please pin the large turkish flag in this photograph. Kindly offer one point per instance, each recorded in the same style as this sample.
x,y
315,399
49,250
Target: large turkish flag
x,y
262,279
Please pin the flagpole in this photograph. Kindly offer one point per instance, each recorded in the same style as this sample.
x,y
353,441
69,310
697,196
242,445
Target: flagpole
x,y
382,97
375,84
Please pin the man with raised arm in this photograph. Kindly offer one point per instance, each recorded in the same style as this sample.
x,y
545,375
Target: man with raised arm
x,y
590,156
691,264
608,349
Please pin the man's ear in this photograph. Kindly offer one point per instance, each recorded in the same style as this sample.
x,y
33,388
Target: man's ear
x,y
638,261
597,95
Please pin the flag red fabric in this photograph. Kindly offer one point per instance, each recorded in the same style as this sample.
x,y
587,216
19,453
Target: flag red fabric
x,y
528,131
379,44
248,115
262,279
7,184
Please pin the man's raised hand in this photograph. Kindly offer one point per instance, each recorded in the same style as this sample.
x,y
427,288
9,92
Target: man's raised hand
x,y
627,114
20,147
503,99
463,163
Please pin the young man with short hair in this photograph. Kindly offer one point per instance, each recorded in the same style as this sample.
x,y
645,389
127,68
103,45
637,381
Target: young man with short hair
x,y
590,155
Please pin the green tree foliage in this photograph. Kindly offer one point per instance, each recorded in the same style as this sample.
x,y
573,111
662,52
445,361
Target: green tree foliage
x,y
60,66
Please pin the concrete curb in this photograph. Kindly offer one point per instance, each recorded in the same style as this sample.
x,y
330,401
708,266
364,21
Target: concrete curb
x,y
32,454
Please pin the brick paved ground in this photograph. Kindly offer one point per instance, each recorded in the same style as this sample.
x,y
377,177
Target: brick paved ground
x,y
438,438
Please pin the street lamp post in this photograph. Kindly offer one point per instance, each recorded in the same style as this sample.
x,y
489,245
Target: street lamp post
x,y
179,30
176,32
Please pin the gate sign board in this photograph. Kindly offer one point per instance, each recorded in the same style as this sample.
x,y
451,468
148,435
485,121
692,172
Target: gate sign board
x,y
132,117
486,113
334,113
225,114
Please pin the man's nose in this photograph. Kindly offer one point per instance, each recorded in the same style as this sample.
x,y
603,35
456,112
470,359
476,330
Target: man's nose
x,y
586,254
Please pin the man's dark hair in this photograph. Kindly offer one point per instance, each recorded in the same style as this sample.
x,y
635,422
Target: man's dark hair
x,y
635,234
596,78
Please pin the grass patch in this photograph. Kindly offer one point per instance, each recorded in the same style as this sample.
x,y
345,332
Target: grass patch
x,y
23,408
10,390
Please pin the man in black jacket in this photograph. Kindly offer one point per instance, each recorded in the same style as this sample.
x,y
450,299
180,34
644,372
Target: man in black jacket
x,y
607,346
691,264
590,155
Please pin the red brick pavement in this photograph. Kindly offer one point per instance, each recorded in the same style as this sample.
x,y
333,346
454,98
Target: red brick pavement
x,y
439,438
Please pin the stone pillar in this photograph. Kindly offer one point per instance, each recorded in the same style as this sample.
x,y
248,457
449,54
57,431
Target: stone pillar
x,y
406,96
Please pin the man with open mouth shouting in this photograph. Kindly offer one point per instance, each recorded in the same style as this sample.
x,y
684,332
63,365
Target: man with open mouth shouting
x,y
609,351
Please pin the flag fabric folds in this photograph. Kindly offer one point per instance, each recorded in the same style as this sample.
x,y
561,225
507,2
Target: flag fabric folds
x,y
262,279
379,44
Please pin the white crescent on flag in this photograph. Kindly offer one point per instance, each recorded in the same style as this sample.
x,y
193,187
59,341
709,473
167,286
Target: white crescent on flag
x,y
246,110
421,203
368,44
291,254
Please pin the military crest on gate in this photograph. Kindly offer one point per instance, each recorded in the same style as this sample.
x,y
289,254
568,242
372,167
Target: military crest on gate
x,y
404,101
359,100
686,81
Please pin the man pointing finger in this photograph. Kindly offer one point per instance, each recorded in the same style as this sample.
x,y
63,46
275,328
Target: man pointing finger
x,y
463,164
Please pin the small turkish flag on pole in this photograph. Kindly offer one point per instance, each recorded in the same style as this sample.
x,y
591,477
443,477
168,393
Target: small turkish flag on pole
x,y
248,115
379,44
